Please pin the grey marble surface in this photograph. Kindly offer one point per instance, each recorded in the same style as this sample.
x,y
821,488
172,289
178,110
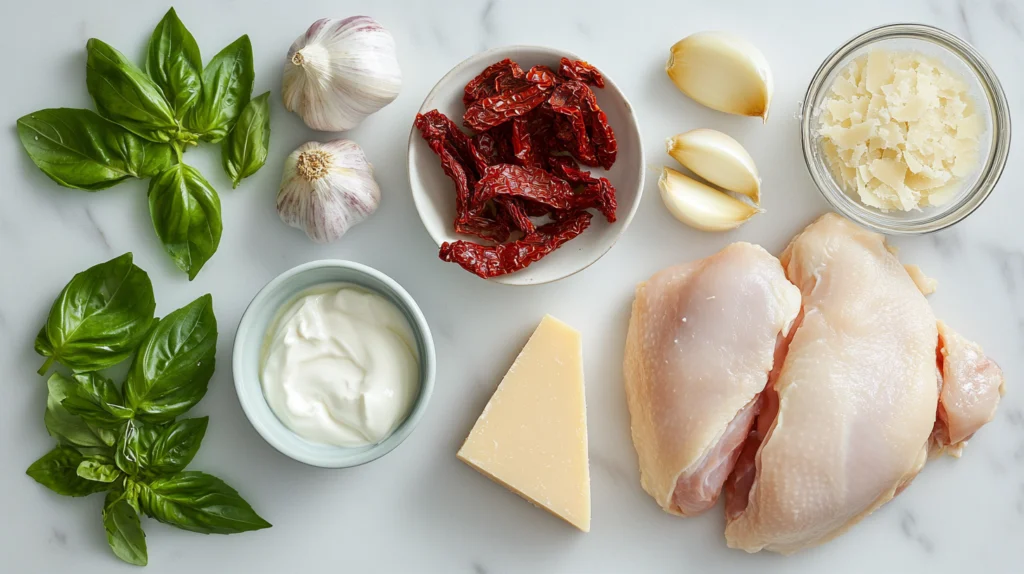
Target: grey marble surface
x,y
418,509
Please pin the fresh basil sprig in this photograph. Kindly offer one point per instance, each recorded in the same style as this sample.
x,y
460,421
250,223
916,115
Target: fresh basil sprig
x,y
199,502
244,151
97,400
147,121
126,439
71,430
185,211
124,529
174,63
99,318
125,94
227,87
80,149
58,471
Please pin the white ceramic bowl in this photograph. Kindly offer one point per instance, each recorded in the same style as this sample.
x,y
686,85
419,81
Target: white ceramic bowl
x,y
434,192
248,347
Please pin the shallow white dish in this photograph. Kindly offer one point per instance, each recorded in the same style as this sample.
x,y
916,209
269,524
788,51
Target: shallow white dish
x,y
434,193
248,347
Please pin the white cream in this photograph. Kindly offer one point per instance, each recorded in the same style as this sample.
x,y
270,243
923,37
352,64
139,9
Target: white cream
x,y
340,366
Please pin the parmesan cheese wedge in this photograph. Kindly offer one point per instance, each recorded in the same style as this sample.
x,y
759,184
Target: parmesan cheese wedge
x,y
532,435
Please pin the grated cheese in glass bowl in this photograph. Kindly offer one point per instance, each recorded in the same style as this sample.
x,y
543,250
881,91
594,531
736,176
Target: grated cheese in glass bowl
x,y
905,129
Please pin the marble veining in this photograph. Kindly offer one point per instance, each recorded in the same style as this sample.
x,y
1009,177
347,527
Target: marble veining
x,y
419,509
910,528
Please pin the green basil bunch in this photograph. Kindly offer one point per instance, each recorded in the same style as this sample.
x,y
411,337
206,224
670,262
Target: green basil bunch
x,y
147,120
129,440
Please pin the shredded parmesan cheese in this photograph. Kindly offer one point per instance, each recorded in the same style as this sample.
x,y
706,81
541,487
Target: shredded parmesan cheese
x,y
900,130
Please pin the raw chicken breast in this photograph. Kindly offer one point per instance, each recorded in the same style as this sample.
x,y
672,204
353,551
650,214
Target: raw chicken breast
x,y
701,342
972,385
856,396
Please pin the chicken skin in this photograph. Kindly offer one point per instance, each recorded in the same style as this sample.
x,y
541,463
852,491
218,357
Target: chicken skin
x,y
701,342
849,415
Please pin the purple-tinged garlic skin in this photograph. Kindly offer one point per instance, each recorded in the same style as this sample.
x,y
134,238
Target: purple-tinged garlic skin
x,y
341,71
327,188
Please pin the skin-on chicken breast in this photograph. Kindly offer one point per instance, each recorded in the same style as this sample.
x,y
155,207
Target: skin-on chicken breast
x,y
701,343
849,414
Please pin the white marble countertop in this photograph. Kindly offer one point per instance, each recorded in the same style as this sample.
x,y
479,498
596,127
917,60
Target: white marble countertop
x,y
419,509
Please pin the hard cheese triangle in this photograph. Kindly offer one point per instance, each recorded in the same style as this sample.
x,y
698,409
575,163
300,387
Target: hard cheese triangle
x,y
532,435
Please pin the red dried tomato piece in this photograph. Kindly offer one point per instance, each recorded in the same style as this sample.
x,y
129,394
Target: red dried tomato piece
x,y
484,228
457,172
512,208
566,100
601,134
492,111
580,71
493,260
542,76
526,182
522,143
485,84
435,125
598,193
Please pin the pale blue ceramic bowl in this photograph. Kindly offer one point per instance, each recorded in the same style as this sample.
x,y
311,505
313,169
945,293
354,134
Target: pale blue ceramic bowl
x,y
252,330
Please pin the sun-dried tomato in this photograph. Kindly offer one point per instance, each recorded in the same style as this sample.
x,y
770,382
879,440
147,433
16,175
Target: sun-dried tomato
x,y
522,143
566,101
485,84
493,260
435,125
515,167
488,112
580,71
601,134
542,76
526,182
484,228
541,188
516,215
457,172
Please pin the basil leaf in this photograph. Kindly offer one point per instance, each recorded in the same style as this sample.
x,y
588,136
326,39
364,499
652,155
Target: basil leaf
x,y
245,151
199,502
70,429
126,453
173,366
176,446
97,471
227,87
174,63
124,94
124,529
96,400
58,471
80,149
99,318
185,211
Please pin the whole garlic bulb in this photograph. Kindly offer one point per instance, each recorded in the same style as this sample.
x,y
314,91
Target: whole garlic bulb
x,y
341,71
327,188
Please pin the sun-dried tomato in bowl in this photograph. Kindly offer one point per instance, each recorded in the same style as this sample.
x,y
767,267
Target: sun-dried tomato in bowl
x,y
531,131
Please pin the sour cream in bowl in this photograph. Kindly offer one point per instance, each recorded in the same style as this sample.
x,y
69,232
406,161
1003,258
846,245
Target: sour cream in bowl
x,y
333,363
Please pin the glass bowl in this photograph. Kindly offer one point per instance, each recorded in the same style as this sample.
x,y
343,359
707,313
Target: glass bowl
x,y
984,88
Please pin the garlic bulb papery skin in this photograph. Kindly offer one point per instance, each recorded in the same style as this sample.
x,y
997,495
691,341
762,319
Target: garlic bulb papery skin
x,y
327,188
341,71
722,71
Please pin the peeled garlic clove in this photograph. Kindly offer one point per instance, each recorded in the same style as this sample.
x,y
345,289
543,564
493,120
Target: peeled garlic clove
x,y
327,188
722,71
701,206
719,159
341,71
